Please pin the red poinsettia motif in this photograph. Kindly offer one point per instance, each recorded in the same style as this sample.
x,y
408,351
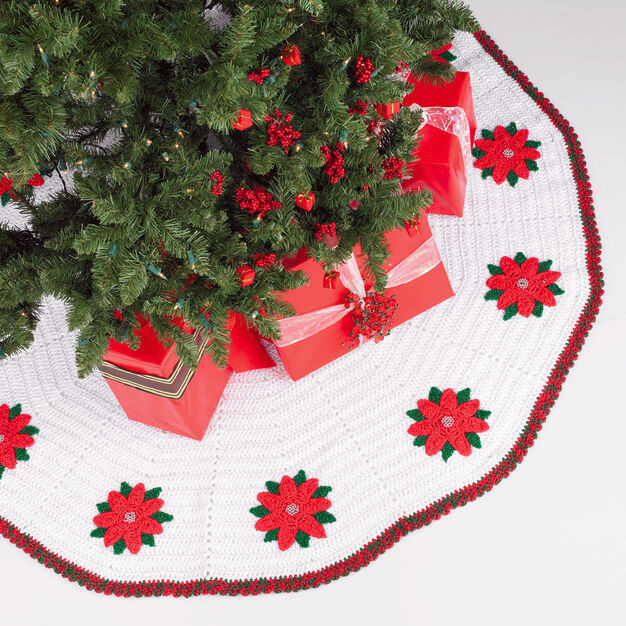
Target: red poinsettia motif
x,y
15,436
293,510
523,286
6,187
130,518
448,422
506,154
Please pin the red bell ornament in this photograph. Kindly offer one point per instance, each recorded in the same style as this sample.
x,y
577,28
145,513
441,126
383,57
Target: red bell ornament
x,y
305,200
243,121
389,109
246,275
291,55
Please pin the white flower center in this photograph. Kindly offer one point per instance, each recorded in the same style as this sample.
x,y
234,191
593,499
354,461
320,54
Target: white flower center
x,y
522,283
447,421
130,517
1,438
292,509
508,153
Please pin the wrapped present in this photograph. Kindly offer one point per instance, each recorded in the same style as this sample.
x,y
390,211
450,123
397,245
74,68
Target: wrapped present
x,y
336,312
155,388
457,93
443,151
389,109
291,55
442,156
243,121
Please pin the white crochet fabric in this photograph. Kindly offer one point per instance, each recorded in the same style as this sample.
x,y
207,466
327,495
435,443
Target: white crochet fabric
x,y
345,424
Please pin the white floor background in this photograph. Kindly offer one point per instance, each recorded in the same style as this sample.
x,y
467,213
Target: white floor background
x,y
547,545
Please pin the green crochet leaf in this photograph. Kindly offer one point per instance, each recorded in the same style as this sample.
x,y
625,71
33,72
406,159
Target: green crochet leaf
x,y
463,396
487,172
513,178
1,470
555,289
494,294
119,547
481,414
125,489
15,411
544,266
495,270
324,517
478,153
511,128
147,540
103,507
448,56
272,535
21,454
531,164
29,430
532,144
416,414
538,310
303,539
488,134
520,258
5,198
272,486
98,532
151,494
434,395
259,511
474,440
322,491
161,517
420,441
299,478
510,312
447,451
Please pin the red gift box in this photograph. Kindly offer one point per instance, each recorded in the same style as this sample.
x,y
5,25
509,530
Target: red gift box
x,y
155,388
445,141
457,93
243,121
440,166
321,330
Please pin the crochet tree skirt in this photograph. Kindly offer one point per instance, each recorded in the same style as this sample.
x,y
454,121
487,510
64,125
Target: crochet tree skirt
x,y
298,483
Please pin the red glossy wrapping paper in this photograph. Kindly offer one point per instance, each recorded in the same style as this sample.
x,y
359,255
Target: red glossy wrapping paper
x,y
439,163
309,354
188,415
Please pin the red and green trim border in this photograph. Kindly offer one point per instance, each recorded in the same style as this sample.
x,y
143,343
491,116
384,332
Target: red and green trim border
x,y
404,526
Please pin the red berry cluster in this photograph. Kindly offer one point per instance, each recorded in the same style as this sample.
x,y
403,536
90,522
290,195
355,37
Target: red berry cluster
x,y
219,181
256,201
118,315
360,107
258,77
393,168
373,127
372,316
264,260
363,70
402,65
280,131
323,230
334,162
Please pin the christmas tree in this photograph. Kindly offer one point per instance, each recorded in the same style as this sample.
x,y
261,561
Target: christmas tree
x,y
199,145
